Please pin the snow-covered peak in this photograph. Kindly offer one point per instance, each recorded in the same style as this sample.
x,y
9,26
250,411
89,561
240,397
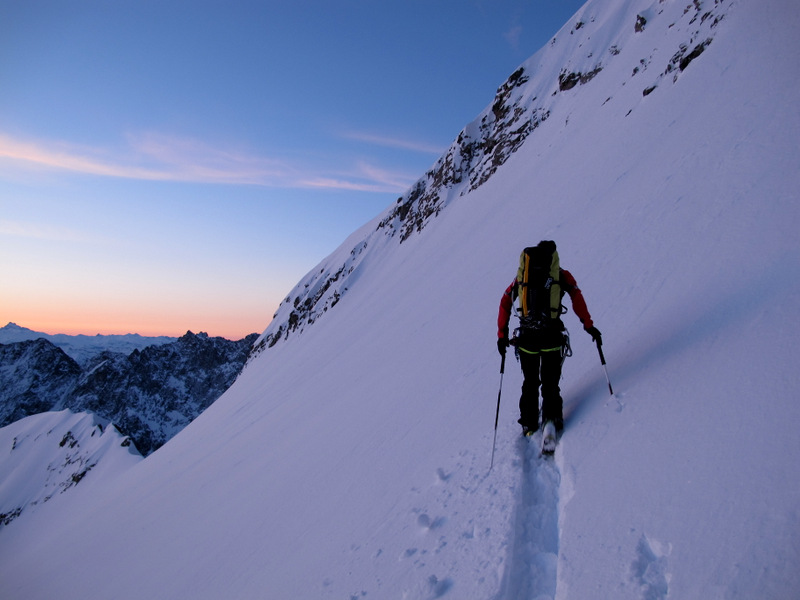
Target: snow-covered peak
x,y
83,347
46,455
150,394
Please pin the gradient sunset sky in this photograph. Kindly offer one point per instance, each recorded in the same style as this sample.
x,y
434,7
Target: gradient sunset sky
x,y
179,165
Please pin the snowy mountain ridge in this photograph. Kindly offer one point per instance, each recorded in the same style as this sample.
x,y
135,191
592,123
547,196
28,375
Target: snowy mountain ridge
x,y
538,89
83,347
351,458
70,446
150,394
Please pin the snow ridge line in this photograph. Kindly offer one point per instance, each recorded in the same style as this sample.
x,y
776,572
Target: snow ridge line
x,y
532,562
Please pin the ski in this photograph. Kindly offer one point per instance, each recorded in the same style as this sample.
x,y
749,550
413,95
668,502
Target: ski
x,y
549,438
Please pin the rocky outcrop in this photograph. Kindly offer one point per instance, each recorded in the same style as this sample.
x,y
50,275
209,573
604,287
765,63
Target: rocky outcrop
x,y
150,394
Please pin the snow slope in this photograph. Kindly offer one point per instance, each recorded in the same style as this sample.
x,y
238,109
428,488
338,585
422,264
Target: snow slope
x,y
351,458
44,455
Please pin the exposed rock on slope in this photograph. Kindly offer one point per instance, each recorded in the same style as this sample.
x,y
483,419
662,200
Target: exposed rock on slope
x,y
150,394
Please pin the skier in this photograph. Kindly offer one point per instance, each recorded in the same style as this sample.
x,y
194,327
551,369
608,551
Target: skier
x,y
541,341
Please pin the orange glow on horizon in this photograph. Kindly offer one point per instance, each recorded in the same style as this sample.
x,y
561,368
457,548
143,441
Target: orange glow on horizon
x,y
79,323
145,331
92,312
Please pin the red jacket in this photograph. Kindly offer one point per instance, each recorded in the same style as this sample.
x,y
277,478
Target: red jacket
x,y
568,285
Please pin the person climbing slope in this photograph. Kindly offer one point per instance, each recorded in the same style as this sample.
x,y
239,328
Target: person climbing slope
x,y
542,341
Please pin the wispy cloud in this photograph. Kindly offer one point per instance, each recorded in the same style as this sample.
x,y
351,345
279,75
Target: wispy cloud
x,y
390,179
150,157
67,157
513,36
334,183
188,159
394,142
158,157
366,177
43,231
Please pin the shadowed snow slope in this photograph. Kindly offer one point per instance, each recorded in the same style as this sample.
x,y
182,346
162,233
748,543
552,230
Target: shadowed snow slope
x,y
351,457
42,456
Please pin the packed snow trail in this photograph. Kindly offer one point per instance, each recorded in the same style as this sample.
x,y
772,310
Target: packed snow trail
x,y
531,566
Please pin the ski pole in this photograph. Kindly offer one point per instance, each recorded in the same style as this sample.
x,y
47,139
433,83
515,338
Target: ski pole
x,y
497,413
603,362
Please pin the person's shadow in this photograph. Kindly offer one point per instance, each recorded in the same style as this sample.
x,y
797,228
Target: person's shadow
x,y
691,323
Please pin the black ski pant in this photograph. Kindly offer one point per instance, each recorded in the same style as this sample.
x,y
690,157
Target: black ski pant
x,y
541,369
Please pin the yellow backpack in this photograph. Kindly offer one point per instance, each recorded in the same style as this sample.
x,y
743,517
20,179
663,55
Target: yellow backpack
x,y
538,286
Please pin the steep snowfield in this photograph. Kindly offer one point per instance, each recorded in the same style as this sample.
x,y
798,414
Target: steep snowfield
x,y
352,459
45,455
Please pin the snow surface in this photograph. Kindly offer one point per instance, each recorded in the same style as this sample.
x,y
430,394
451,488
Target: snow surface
x,y
42,456
352,460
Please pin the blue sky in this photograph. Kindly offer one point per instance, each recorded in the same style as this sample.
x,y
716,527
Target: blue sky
x,y
169,166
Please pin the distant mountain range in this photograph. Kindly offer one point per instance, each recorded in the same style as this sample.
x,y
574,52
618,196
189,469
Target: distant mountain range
x,y
150,391
83,347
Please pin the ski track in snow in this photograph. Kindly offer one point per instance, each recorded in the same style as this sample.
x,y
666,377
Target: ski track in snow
x,y
532,562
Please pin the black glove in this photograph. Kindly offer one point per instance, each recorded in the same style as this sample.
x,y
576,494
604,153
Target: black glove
x,y
502,344
596,337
